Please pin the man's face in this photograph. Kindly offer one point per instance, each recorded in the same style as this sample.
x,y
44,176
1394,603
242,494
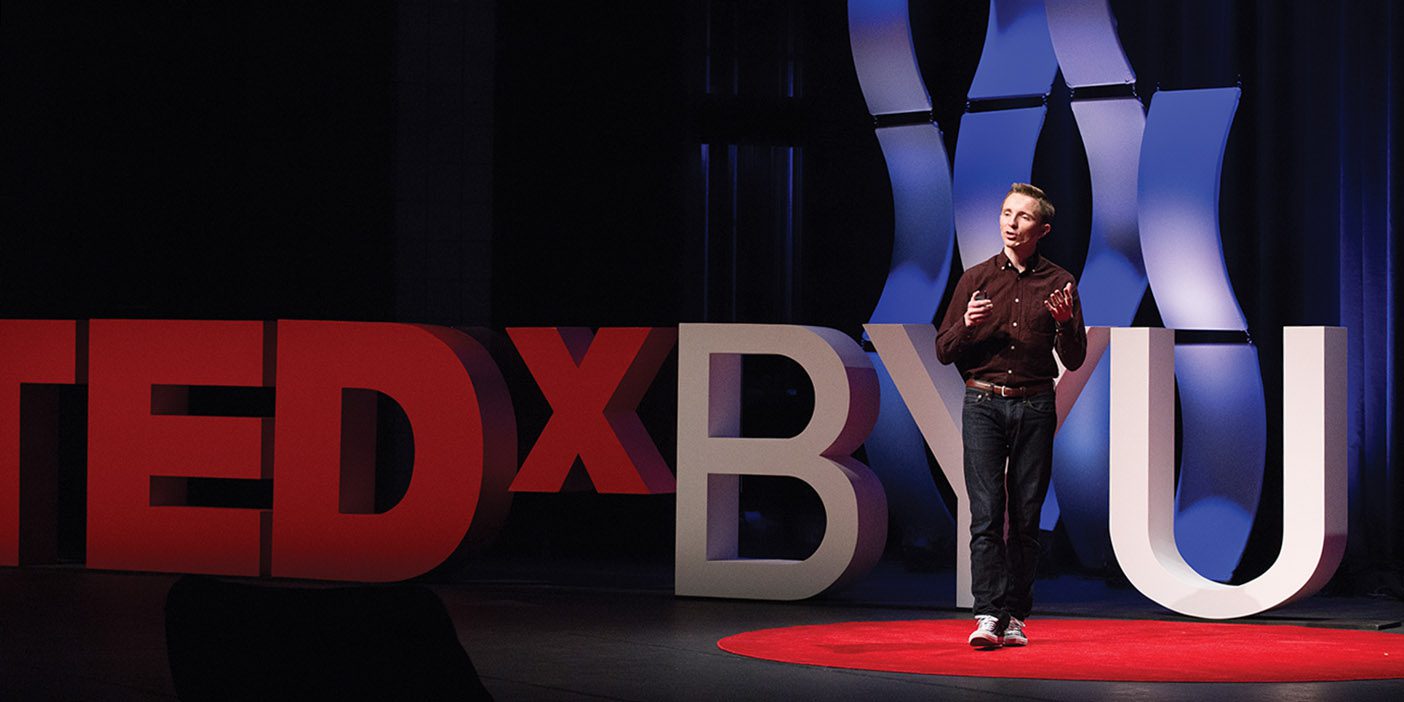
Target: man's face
x,y
1019,223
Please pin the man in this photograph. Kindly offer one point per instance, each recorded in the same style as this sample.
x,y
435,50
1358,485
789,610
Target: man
x,y
1008,316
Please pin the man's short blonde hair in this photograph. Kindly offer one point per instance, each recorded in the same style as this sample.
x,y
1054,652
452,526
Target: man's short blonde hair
x,y
1045,208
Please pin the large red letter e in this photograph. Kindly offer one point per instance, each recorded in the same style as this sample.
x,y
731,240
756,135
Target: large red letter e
x,y
465,447
139,451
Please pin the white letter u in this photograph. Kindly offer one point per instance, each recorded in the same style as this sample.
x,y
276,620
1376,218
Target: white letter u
x,y
1142,480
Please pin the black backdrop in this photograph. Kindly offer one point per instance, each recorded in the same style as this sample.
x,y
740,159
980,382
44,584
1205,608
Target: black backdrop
x,y
535,163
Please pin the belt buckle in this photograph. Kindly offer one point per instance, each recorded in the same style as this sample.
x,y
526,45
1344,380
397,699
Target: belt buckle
x,y
1004,390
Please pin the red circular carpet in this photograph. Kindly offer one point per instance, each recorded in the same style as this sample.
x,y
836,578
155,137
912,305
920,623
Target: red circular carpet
x,y
1090,649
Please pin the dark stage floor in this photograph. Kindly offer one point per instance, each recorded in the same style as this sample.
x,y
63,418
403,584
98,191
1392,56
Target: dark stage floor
x,y
72,634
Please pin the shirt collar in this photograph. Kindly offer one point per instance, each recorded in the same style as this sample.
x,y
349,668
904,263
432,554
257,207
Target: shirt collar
x,y
1003,262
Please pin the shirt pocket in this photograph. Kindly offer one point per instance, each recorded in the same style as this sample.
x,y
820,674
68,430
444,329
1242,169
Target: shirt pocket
x,y
1041,322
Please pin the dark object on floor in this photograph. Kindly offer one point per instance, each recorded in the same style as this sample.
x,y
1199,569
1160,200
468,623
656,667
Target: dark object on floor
x,y
233,640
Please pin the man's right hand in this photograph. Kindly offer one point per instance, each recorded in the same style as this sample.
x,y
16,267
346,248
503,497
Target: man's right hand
x,y
977,309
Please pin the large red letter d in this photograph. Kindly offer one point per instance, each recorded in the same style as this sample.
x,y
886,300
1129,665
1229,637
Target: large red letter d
x,y
464,448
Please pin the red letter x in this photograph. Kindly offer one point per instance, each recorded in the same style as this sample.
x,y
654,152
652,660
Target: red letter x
x,y
594,388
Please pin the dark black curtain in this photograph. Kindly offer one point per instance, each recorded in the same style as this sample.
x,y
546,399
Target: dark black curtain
x,y
175,161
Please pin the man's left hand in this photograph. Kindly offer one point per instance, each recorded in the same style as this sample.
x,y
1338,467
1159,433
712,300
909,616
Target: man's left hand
x,y
1060,304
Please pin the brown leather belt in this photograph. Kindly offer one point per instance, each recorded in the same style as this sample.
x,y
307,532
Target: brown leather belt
x,y
1006,391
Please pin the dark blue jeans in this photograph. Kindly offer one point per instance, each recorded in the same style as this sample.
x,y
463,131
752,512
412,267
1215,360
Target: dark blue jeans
x,y
1017,432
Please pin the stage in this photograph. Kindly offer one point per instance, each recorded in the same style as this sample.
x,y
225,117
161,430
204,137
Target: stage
x,y
553,632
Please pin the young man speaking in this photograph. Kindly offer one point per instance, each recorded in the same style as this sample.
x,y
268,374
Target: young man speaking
x,y
1008,316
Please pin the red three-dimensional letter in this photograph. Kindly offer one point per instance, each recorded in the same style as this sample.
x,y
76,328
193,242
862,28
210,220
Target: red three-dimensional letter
x,y
137,519
465,443
594,388
31,351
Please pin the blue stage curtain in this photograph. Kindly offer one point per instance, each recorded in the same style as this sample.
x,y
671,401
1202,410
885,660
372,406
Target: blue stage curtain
x,y
1370,135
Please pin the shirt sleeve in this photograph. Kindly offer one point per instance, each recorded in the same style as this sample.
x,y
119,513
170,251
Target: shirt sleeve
x,y
953,337
1071,338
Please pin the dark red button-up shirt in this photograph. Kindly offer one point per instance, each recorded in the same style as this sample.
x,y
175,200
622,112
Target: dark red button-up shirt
x,y
1013,345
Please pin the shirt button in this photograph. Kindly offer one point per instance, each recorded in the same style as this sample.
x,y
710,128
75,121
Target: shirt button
x,y
1016,299
1010,372
1011,348
1016,324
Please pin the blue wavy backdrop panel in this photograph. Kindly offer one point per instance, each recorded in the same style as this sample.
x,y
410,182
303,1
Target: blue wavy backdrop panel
x,y
1018,57
1111,288
923,243
1084,38
1220,385
994,150
880,37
